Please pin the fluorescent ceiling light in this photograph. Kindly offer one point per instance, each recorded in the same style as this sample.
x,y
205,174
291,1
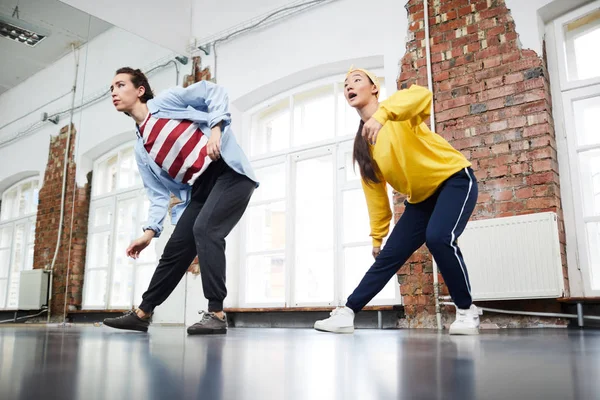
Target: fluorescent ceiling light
x,y
21,31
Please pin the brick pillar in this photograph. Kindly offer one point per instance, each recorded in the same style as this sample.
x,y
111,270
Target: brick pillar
x,y
492,102
73,243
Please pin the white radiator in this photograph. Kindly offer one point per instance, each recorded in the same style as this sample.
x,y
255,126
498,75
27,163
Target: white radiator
x,y
513,257
33,289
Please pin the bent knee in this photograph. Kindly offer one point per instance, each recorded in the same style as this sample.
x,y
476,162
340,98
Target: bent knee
x,y
438,240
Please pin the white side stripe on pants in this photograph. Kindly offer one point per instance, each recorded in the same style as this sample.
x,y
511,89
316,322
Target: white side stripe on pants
x,y
462,267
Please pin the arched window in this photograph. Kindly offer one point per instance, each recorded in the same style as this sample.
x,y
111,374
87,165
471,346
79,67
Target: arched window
x,y
306,232
118,210
17,237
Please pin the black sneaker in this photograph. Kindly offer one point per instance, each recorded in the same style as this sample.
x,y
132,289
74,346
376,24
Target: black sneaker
x,y
129,321
209,325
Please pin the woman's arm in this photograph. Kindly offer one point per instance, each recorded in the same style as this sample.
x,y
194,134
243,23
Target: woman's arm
x,y
380,214
203,96
412,104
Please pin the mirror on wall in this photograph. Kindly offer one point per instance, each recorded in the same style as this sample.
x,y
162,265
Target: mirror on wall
x,y
57,116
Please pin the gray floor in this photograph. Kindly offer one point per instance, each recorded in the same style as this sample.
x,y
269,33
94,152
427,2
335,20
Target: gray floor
x,y
87,362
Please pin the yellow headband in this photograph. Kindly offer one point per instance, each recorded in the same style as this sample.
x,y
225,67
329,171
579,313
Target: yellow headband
x,y
369,74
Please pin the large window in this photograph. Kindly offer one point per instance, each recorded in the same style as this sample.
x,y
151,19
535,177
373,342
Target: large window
x,y
118,210
306,231
575,40
17,237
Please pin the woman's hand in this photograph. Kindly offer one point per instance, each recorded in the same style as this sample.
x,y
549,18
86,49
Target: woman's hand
x,y
140,244
213,147
371,129
375,252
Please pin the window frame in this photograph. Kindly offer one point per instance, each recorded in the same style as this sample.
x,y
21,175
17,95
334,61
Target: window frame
x,y
29,219
574,152
563,49
564,93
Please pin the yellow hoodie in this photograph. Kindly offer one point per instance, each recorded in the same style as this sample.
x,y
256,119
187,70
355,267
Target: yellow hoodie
x,y
414,160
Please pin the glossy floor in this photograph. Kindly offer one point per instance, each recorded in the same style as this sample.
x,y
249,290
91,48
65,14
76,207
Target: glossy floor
x,y
86,362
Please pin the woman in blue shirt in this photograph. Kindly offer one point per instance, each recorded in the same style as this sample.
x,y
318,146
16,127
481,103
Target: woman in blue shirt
x,y
185,146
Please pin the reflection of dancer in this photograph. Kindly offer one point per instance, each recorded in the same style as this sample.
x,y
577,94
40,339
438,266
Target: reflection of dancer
x,y
185,147
394,145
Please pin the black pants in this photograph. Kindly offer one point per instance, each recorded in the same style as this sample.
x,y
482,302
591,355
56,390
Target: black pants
x,y
438,222
219,198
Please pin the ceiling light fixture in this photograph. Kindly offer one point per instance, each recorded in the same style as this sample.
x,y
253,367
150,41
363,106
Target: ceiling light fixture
x,y
21,31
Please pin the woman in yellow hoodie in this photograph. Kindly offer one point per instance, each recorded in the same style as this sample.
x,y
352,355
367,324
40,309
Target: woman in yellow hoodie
x,y
394,146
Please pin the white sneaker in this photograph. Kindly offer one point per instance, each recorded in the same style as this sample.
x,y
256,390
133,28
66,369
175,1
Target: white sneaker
x,y
467,321
341,321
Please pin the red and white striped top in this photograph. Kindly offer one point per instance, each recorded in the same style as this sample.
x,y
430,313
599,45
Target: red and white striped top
x,y
177,146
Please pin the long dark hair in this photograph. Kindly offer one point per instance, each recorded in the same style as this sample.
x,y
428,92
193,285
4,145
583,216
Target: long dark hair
x,y
362,156
138,79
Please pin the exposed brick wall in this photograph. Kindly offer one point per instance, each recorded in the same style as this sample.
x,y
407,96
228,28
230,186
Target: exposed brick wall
x,y
73,244
492,102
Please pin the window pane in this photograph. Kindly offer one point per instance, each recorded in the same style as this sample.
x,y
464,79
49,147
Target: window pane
x,y
9,204
122,285
314,116
582,37
593,233
143,275
314,230
102,216
272,183
127,227
31,235
265,279
95,288
587,120
3,284
149,254
348,119
99,252
271,129
352,170
357,260
5,236
122,278
355,218
25,199
106,180
145,207
29,258
265,229
589,167
382,90
36,197
4,262
18,248
128,169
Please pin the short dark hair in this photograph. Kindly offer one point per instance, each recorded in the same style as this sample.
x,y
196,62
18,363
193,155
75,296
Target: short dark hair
x,y
138,79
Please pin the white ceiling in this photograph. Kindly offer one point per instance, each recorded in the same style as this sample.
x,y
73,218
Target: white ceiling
x,y
65,24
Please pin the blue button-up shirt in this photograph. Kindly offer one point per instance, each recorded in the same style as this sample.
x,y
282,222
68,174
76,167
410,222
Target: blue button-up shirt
x,y
206,104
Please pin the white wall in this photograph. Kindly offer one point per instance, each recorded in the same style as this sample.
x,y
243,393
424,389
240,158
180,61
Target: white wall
x,y
166,23
208,20
322,41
